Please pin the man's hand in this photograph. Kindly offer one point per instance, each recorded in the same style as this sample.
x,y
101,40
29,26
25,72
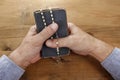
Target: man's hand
x,y
29,50
82,43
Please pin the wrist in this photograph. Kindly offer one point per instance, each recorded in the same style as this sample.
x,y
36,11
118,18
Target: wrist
x,y
101,50
19,60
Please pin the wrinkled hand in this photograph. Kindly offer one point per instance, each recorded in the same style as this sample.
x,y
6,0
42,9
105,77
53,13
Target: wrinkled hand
x,y
29,50
79,41
82,43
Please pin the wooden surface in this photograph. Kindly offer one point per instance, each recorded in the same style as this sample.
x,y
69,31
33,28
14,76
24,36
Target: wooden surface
x,y
101,18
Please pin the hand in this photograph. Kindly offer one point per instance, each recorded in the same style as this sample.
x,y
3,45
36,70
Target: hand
x,y
82,43
29,50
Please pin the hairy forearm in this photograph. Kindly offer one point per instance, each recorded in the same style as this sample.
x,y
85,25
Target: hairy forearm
x,y
101,50
18,59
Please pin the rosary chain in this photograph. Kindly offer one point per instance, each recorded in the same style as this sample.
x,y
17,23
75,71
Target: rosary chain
x,y
45,24
57,43
43,18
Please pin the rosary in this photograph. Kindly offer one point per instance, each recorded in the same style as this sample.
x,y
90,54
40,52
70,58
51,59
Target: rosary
x,y
45,17
44,21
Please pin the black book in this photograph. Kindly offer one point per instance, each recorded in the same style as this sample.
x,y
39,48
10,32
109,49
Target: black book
x,y
60,18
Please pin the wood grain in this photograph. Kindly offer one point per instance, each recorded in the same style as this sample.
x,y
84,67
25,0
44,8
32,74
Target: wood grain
x,y
99,18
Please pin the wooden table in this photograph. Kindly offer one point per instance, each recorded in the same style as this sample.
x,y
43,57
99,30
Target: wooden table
x,y
101,18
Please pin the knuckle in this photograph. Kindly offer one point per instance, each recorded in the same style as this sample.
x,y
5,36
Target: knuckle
x,y
49,31
32,28
71,24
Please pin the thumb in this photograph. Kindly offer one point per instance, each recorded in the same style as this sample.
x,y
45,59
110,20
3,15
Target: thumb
x,y
47,32
62,42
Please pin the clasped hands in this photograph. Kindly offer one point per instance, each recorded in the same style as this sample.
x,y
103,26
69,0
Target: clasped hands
x,y
78,41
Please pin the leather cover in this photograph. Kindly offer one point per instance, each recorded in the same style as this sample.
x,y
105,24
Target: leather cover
x,y
59,18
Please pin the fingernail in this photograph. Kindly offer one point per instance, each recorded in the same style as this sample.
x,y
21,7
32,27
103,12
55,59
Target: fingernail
x,y
48,43
54,26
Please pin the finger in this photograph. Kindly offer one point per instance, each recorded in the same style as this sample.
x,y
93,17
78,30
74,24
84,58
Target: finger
x,y
72,28
62,42
32,31
47,32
